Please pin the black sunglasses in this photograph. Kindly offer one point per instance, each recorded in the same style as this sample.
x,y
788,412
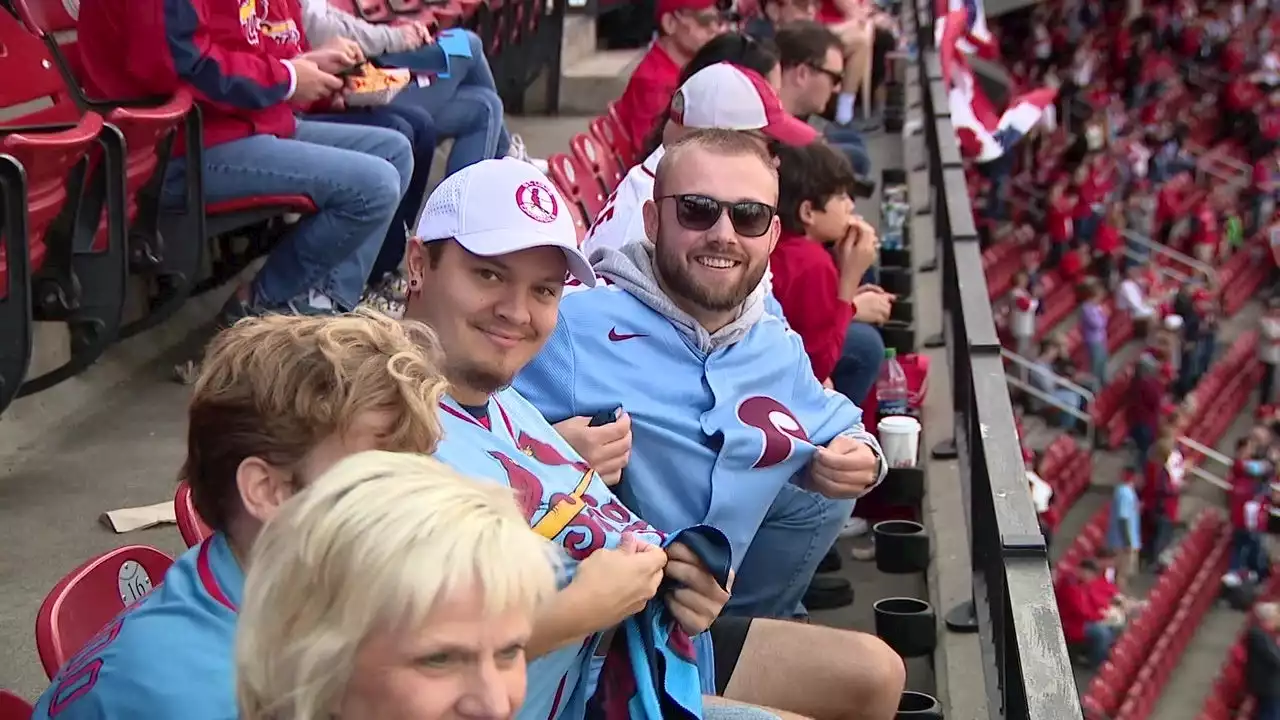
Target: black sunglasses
x,y
836,78
700,213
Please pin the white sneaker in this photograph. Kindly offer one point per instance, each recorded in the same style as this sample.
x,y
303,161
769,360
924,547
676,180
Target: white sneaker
x,y
854,527
520,151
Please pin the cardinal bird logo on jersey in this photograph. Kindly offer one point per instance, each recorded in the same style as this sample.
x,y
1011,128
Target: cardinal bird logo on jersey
x,y
527,486
546,453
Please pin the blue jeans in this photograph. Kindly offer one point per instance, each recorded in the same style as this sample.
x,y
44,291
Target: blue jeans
x,y
800,527
1098,360
1248,553
419,127
466,108
354,175
851,143
1143,438
859,364
1098,639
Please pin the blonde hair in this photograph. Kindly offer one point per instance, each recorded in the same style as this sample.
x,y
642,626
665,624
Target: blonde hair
x,y
1268,612
372,546
275,387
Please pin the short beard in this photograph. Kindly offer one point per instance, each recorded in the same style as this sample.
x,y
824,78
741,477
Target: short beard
x,y
480,379
680,282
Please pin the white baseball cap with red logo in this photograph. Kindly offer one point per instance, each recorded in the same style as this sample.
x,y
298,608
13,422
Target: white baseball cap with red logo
x,y
498,207
730,97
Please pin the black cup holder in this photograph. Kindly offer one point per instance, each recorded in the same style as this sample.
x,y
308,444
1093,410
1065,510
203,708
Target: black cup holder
x,y
902,547
899,336
906,624
918,706
904,311
902,487
897,281
896,258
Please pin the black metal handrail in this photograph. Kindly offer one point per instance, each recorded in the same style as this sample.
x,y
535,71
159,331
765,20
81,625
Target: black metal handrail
x,y
1025,660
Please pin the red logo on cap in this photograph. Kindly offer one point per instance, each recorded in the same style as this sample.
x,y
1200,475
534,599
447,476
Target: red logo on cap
x,y
538,201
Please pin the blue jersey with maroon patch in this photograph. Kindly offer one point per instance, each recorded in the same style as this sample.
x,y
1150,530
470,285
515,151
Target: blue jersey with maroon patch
x,y
563,499
167,657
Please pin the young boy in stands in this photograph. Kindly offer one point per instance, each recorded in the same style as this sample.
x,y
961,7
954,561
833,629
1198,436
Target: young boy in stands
x,y
279,401
818,265
488,279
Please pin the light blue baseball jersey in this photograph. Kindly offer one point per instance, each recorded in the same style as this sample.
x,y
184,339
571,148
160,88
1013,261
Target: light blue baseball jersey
x,y
167,657
508,441
714,435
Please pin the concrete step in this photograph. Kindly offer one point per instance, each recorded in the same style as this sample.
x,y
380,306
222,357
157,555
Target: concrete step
x,y
589,84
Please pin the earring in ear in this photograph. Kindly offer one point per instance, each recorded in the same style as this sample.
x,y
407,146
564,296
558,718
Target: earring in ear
x,y
413,284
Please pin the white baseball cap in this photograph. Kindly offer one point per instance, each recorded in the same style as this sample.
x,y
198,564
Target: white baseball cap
x,y
730,97
498,207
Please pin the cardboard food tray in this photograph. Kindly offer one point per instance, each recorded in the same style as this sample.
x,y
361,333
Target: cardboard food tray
x,y
399,81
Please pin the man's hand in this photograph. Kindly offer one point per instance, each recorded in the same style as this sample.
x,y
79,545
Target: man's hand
x,y
606,448
845,468
616,584
415,34
336,55
873,307
312,83
699,599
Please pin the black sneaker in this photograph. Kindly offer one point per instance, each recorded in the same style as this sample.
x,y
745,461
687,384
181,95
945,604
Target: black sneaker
x,y
828,593
831,562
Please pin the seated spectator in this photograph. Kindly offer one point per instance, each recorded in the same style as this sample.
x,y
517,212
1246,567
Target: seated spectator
x,y
811,60
1082,615
1262,662
249,84
776,13
1093,330
868,34
684,26
279,401
1131,298
818,266
1053,366
683,304
489,281
721,96
1123,525
387,563
1075,264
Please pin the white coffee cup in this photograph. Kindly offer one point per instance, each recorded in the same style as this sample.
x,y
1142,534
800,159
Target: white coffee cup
x,y
899,440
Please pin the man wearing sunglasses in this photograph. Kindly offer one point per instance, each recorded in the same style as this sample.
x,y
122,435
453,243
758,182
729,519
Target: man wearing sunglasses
x,y
684,26
729,425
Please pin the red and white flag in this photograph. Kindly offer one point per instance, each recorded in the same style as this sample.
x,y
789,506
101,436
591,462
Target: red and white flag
x,y
977,38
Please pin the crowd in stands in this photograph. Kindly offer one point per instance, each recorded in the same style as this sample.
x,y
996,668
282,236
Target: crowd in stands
x,y
1143,209
730,262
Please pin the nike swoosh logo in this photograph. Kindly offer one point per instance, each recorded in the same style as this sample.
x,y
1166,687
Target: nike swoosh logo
x,y
615,336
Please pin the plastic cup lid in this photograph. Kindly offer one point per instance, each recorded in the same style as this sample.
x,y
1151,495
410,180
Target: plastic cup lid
x,y
899,424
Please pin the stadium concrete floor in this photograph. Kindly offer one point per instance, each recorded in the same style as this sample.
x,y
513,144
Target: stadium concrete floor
x,y
127,452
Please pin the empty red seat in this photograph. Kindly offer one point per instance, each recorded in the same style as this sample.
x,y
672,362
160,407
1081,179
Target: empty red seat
x,y
594,158
82,604
606,129
576,184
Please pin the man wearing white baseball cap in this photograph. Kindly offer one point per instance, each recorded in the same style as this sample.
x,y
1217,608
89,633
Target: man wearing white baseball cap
x,y
723,96
486,273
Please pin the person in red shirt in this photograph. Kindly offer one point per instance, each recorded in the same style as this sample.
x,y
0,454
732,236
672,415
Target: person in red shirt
x,y
1266,173
1081,614
821,291
1206,235
1059,225
1248,503
1160,501
1238,102
684,26
1107,243
1074,264
241,62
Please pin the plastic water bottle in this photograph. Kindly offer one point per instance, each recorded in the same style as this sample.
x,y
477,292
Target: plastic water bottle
x,y
892,392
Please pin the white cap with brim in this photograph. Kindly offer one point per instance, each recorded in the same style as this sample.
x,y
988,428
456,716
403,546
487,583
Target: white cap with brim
x,y
499,207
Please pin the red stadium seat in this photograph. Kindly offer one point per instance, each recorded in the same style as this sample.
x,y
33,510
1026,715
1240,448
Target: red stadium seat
x,y
71,162
576,184
605,129
600,162
13,707
83,602
190,524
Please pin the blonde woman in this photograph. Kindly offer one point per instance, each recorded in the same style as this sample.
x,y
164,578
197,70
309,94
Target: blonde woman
x,y
391,588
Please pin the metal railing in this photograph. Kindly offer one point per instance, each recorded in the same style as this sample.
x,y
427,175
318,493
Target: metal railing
x,y
1024,656
1209,454
1153,248
1056,381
